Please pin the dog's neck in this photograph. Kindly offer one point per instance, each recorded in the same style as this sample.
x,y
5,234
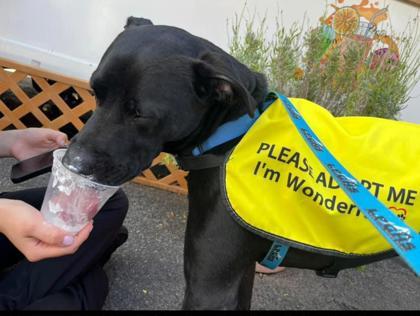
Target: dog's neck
x,y
207,146
214,118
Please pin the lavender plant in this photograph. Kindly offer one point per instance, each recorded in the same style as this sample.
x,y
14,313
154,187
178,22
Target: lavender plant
x,y
351,81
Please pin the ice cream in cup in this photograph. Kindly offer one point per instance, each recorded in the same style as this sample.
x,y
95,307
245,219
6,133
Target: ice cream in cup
x,y
72,200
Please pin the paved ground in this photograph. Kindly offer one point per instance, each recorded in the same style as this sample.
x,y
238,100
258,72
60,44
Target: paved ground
x,y
146,272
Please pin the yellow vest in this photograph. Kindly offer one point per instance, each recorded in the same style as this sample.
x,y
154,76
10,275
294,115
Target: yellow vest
x,y
276,186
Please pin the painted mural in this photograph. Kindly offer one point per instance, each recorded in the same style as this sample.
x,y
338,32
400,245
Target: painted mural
x,y
359,23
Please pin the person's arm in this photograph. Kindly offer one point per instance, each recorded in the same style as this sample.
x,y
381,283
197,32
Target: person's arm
x,y
24,226
25,143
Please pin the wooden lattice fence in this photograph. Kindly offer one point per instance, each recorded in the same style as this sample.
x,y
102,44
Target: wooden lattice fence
x,y
30,97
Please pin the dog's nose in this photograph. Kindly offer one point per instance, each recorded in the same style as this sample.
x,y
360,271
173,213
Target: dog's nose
x,y
78,161
74,164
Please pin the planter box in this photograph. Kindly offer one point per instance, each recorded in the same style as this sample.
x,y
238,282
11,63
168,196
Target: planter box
x,y
30,97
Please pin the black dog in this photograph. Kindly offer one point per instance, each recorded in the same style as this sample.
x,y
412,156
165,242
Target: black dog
x,y
159,88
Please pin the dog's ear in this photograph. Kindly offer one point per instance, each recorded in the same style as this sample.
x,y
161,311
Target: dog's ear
x,y
216,81
133,21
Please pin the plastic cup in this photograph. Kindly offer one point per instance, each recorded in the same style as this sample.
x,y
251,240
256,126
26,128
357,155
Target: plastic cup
x,y
72,200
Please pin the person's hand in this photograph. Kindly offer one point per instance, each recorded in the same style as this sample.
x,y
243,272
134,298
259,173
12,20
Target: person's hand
x,y
35,141
24,226
30,142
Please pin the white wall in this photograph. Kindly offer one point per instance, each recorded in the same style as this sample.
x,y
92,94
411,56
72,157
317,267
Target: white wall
x,y
69,36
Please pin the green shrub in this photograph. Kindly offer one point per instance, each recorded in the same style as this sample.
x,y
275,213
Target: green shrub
x,y
346,83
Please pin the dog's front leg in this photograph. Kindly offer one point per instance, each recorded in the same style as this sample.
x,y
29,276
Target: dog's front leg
x,y
219,255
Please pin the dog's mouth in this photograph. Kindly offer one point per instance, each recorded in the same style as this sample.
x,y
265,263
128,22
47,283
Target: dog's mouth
x,y
104,171
112,177
98,174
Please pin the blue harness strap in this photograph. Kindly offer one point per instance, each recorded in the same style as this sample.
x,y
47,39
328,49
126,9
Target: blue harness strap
x,y
225,133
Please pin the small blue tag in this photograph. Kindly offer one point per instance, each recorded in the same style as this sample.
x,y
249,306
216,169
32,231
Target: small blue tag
x,y
275,255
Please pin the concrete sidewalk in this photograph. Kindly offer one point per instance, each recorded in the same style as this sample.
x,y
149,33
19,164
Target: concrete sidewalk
x,y
147,271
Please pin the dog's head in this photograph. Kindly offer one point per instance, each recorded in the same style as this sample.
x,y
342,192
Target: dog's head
x,y
158,88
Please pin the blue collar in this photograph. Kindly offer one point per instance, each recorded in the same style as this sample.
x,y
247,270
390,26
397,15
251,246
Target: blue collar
x,y
230,130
